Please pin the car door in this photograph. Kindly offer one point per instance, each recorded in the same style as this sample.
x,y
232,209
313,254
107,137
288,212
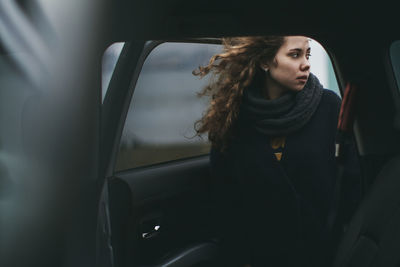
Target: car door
x,y
157,209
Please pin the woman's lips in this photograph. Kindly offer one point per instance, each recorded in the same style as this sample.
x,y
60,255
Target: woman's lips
x,y
302,78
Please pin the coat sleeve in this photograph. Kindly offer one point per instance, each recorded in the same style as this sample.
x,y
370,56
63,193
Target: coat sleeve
x,y
226,212
351,181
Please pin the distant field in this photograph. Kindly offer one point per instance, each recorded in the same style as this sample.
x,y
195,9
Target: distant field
x,y
147,155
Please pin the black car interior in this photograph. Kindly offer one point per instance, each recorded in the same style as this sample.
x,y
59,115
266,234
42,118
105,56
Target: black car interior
x,y
174,196
161,215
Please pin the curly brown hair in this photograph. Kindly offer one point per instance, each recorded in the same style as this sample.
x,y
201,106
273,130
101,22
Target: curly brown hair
x,y
234,70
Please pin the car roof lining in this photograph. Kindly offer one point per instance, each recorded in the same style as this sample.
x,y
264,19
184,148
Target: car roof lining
x,y
177,18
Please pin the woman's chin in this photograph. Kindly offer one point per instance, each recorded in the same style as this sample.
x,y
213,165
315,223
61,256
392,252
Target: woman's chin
x,y
297,88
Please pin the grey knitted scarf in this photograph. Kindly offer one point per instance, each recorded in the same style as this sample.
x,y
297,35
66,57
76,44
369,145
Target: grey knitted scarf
x,y
284,115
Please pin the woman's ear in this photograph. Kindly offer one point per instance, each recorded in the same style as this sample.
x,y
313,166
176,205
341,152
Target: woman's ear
x,y
264,66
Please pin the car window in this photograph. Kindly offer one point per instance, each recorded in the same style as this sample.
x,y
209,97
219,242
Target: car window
x,y
395,59
109,61
322,67
160,122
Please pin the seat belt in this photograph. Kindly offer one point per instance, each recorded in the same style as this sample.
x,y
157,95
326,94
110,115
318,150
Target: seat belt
x,y
344,135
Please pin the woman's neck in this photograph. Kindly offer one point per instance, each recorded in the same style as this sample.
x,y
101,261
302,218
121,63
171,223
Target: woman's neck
x,y
272,90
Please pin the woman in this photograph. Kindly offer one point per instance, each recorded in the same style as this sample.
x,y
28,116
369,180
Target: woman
x,y
272,127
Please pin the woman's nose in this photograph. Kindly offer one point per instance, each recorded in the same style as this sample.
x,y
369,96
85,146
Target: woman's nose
x,y
305,65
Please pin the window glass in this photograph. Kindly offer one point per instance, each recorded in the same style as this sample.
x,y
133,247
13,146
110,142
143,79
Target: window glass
x,y
321,66
110,58
160,123
395,59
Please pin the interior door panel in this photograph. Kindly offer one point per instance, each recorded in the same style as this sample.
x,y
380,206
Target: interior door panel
x,y
160,215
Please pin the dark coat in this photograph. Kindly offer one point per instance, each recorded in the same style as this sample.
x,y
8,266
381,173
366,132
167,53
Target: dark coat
x,y
275,213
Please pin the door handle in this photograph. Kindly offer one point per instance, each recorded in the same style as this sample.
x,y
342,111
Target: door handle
x,y
152,233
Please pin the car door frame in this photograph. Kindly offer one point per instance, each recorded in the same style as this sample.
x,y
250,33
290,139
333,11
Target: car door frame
x,y
114,111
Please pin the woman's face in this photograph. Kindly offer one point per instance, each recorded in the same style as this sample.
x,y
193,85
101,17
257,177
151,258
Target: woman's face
x,y
291,67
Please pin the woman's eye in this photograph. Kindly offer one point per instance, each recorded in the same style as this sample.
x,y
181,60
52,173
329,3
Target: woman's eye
x,y
295,55
308,56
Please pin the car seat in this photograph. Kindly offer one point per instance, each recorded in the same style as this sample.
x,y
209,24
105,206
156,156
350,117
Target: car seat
x,y
373,236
